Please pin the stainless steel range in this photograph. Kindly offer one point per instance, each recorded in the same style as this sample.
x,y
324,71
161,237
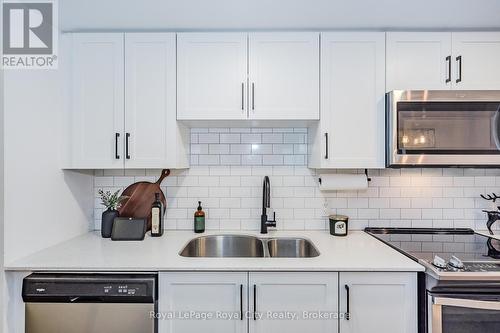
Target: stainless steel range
x,y
460,289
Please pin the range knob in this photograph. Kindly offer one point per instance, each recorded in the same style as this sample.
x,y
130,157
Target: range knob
x,y
456,263
439,262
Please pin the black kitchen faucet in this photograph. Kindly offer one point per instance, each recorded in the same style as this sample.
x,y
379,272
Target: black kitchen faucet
x,y
266,203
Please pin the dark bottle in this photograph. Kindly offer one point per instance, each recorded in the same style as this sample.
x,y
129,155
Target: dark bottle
x,y
157,217
199,219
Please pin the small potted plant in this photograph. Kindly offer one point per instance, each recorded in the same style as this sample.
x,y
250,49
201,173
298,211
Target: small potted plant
x,y
112,201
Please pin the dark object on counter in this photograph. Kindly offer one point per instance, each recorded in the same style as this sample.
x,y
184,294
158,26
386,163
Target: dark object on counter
x,y
157,217
108,216
141,197
338,225
128,229
199,219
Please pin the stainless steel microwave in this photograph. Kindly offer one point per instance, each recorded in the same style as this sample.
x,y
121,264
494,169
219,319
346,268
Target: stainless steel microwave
x,y
431,128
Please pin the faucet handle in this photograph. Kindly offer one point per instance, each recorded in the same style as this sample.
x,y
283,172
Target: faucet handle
x,y
272,223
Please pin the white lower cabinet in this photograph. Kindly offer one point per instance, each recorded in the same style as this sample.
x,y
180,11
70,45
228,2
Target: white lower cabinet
x,y
273,296
292,302
188,295
378,302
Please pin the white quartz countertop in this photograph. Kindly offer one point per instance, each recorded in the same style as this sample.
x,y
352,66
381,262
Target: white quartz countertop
x,y
356,252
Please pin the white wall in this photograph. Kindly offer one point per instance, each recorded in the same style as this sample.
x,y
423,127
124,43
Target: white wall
x,y
43,204
278,14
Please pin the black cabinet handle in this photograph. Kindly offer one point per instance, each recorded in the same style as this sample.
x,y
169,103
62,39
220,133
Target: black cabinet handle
x,y
459,59
253,96
326,146
241,302
347,314
448,60
254,302
117,136
127,137
242,95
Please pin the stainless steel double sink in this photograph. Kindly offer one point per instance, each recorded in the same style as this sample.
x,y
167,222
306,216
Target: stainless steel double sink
x,y
243,246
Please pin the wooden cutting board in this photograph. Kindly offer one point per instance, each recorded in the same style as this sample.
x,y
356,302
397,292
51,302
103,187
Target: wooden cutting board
x,y
141,196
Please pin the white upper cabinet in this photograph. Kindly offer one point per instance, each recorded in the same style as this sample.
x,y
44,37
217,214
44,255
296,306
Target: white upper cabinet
x,y
443,60
351,131
181,293
378,302
239,76
419,60
284,75
150,125
212,76
299,293
97,100
123,102
476,57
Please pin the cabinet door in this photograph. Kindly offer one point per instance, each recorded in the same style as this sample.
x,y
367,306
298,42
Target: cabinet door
x,y
284,76
353,99
418,60
189,296
378,302
476,57
149,100
97,106
276,297
211,76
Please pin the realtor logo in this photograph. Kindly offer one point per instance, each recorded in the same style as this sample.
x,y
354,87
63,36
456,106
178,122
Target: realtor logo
x,y
29,34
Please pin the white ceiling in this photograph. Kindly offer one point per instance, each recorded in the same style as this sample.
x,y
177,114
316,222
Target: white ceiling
x,y
278,14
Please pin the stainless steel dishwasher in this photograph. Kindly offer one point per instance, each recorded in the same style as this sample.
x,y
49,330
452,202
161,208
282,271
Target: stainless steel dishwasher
x,y
90,303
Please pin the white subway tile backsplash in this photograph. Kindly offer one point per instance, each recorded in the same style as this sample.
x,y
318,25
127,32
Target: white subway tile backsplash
x,y
272,138
228,165
208,138
251,138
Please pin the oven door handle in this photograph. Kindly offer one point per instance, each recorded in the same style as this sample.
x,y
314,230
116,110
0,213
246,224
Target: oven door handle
x,y
466,303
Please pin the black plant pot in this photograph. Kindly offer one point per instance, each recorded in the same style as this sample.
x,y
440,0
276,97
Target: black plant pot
x,y
108,216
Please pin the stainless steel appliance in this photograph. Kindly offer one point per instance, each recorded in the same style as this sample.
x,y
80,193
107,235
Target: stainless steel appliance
x,y
90,303
460,289
442,128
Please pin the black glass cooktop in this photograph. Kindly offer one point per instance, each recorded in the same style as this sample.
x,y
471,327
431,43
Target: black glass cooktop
x,y
423,243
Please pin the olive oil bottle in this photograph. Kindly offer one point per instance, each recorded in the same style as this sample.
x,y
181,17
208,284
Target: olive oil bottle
x,y
157,217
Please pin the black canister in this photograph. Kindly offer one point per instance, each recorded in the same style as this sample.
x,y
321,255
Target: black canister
x,y
338,225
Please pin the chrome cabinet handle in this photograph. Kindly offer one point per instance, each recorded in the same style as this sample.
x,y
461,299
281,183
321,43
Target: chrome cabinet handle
x,y
117,136
448,60
326,146
127,137
459,60
253,96
347,314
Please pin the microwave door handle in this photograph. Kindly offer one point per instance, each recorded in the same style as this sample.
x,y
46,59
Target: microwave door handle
x,y
466,303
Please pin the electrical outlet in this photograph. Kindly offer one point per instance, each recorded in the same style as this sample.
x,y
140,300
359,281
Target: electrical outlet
x,y
326,207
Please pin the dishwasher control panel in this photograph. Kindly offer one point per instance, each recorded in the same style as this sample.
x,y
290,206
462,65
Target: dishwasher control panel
x,y
41,287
